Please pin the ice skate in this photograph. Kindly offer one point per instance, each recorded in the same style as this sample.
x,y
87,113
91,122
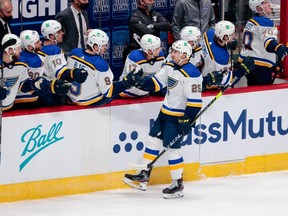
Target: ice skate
x,y
175,190
138,180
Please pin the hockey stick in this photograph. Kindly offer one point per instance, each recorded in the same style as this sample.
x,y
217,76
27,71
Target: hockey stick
x,y
137,38
278,71
179,136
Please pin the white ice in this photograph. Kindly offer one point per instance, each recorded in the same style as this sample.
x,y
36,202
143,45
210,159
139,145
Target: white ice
x,y
263,194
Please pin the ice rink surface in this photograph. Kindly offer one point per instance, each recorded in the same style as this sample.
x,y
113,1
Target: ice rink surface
x,y
263,194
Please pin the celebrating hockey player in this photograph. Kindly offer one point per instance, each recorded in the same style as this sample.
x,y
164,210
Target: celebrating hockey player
x,y
55,64
149,58
14,74
182,102
99,87
216,55
260,42
192,35
217,59
31,44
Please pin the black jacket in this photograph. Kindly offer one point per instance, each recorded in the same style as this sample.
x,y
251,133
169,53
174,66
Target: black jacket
x,y
67,20
3,32
138,24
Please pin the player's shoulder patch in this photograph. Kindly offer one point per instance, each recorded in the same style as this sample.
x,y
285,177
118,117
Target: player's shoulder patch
x,y
32,59
76,51
137,56
51,50
189,70
262,21
21,62
161,56
41,53
210,34
197,49
100,64
170,63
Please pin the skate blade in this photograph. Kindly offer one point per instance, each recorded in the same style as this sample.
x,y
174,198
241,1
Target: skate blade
x,y
138,185
178,194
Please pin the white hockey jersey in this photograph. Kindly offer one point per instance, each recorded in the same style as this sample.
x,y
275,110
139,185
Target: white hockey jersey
x,y
137,60
257,33
184,87
99,82
216,57
35,68
54,61
13,77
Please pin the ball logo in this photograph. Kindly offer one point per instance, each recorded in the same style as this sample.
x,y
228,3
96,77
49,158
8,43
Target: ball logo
x,y
36,140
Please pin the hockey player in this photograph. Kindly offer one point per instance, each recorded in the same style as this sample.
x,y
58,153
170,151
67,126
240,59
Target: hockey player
x,y
149,58
99,87
31,46
217,59
216,56
192,35
14,74
182,102
55,64
260,42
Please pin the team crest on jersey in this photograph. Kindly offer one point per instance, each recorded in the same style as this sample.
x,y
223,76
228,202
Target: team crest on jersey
x,y
172,82
10,82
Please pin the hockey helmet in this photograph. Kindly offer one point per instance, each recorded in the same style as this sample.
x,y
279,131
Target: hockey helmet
x,y
191,33
98,37
253,4
182,47
150,42
11,41
224,28
29,37
50,27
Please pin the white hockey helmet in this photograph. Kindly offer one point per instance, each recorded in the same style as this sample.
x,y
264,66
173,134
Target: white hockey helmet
x,y
191,33
50,27
29,37
223,28
183,47
11,41
253,4
98,37
149,42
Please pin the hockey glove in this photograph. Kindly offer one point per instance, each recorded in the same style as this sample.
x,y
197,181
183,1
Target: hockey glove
x,y
43,86
3,92
78,75
214,78
133,79
281,52
60,87
184,125
245,67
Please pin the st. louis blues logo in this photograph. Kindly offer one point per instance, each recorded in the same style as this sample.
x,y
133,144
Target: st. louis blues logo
x,y
172,82
10,82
